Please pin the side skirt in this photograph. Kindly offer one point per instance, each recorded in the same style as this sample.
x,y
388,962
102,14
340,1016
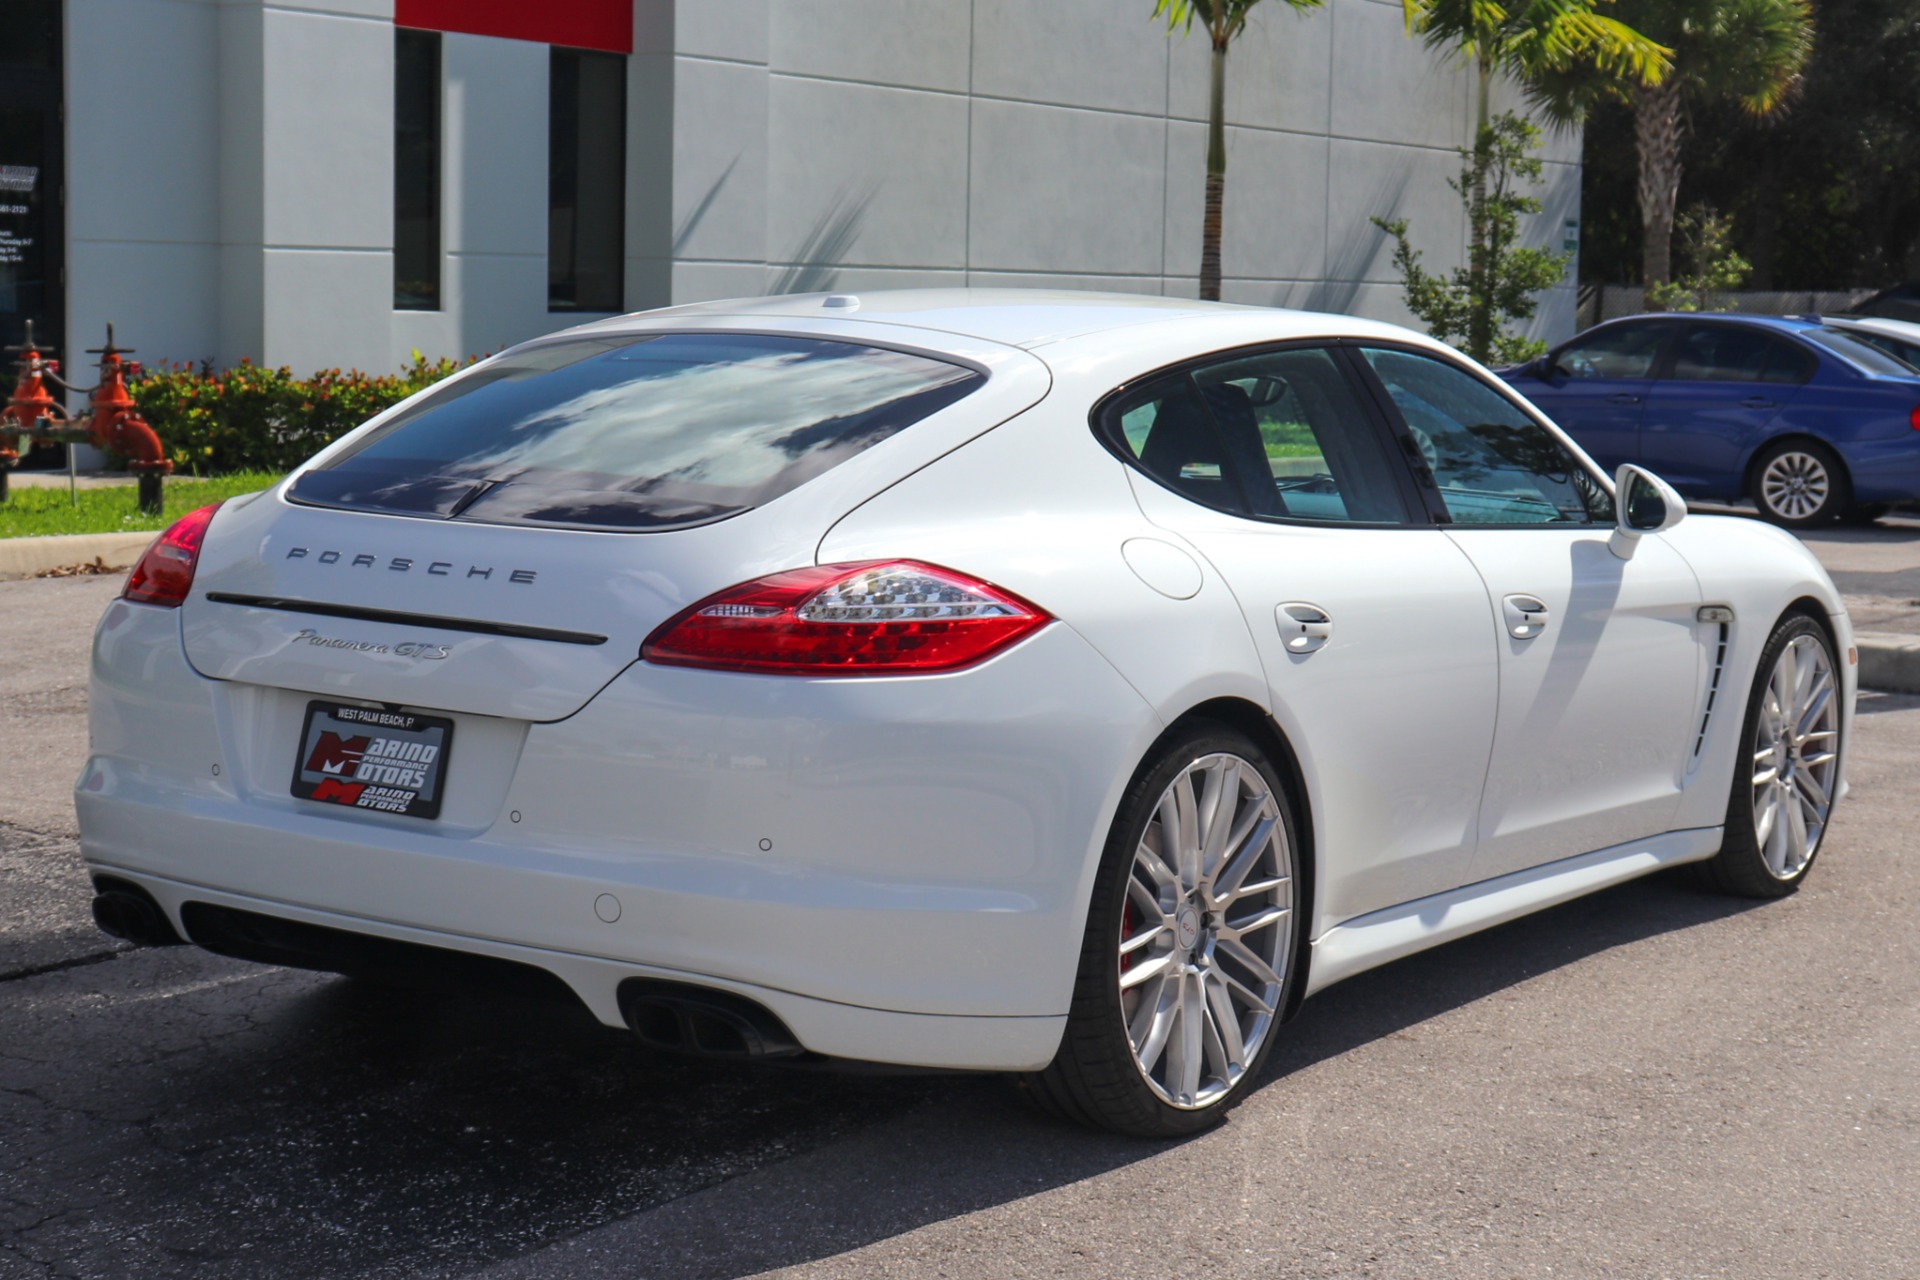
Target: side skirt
x,y
1380,937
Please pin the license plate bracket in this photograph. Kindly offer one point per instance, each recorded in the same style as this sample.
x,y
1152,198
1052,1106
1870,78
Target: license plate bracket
x,y
373,759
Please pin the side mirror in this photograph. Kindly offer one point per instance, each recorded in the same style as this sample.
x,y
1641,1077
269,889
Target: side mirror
x,y
1643,503
1544,368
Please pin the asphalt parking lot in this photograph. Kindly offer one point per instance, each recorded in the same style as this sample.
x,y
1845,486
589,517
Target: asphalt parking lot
x,y
1653,1082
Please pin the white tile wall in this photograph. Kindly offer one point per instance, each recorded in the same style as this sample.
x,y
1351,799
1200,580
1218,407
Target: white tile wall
x,y
772,144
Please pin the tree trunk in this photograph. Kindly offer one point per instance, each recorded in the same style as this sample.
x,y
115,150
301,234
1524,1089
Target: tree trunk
x,y
1656,133
1479,263
1216,176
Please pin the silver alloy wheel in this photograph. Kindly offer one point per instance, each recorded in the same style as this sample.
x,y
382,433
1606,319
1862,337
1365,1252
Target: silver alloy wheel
x,y
1795,757
1795,485
1207,931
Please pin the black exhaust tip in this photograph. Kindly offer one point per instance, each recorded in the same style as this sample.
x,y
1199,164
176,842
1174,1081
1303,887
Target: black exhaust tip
x,y
678,1017
128,912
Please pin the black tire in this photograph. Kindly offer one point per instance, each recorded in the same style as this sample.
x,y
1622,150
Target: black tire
x,y
1741,867
1800,484
1095,1078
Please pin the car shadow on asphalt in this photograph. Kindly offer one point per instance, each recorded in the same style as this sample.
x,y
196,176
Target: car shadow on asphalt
x,y
342,1128
972,1146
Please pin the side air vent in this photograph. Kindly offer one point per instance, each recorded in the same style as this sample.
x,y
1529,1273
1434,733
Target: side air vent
x,y
1713,690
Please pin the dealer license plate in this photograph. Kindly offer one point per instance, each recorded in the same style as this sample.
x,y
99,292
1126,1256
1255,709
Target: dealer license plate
x,y
372,759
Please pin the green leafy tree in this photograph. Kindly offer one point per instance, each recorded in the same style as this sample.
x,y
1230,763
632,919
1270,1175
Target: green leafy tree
x,y
1471,307
1223,21
1715,267
1749,52
1541,44
1823,195
1536,42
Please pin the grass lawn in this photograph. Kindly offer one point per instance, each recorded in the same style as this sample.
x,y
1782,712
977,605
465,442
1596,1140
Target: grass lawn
x,y
37,511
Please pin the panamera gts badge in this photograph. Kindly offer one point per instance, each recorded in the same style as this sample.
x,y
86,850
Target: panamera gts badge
x,y
419,649
409,564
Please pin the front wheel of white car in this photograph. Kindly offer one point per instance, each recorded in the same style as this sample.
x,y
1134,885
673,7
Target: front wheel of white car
x,y
1187,961
1788,768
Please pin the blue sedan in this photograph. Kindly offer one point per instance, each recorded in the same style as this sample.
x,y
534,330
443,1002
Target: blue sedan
x,y
1806,420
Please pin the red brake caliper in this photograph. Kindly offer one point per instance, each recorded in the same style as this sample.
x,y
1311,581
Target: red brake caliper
x,y
1127,921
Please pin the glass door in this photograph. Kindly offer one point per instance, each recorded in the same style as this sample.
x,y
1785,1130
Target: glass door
x,y
32,188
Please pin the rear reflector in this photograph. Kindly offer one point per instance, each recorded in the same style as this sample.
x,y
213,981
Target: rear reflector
x,y
164,572
877,618
1913,419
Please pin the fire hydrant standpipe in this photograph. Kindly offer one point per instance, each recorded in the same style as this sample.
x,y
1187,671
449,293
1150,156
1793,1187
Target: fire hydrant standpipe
x,y
112,422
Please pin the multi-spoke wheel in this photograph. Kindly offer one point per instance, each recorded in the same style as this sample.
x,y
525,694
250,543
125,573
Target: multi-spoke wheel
x,y
1789,766
1800,484
1188,956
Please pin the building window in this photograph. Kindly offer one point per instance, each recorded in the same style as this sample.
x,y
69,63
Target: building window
x,y
586,181
416,170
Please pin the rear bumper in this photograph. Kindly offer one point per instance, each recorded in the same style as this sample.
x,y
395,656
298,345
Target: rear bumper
x,y
897,868
823,1026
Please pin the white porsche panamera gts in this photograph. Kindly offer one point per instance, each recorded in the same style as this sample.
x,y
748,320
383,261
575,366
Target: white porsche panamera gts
x,y
1057,684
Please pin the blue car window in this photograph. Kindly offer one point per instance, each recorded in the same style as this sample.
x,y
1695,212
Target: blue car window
x,y
1788,363
1856,350
1720,353
1619,351
1492,463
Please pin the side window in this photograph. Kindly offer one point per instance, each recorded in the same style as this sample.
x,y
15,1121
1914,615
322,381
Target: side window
x,y
1278,434
1623,351
1720,353
1787,364
1166,430
1493,464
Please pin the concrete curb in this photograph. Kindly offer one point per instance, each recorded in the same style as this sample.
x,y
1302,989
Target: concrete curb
x,y
30,557
1889,661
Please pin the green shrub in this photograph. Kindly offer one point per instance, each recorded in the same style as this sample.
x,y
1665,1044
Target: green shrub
x,y
251,418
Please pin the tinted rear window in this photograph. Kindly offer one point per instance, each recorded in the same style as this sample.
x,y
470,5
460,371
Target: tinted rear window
x,y
1858,353
627,433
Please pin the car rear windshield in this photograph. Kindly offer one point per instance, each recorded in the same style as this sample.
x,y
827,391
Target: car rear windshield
x,y
1858,353
650,432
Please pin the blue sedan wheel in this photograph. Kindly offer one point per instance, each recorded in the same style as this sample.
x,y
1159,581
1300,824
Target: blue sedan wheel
x,y
1800,484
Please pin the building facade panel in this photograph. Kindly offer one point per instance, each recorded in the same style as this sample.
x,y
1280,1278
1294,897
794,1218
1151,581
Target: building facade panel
x,y
719,162
1067,190
1387,87
327,141
924,45
1275,202
495,167
1279,74
865,175
1079,53
768,145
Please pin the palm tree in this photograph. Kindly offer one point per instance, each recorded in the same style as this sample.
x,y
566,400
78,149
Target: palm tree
x,y
1224,20
1540,43
1533,41
1749,50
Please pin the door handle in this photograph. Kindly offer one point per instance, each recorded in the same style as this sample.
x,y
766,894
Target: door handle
x,y
1756,402
1624,398
1303,627
1526,616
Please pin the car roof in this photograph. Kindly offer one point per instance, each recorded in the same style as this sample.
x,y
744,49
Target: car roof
x,y
1017,317
1789,324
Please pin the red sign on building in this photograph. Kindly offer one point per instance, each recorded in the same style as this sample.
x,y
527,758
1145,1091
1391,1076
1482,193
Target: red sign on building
x,y
578,24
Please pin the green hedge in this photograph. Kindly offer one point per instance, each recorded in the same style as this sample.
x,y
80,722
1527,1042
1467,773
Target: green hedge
x,y
251,418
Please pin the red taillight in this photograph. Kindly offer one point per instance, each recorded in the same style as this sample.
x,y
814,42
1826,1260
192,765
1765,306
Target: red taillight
x,y
876,618
1913,419
165,570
